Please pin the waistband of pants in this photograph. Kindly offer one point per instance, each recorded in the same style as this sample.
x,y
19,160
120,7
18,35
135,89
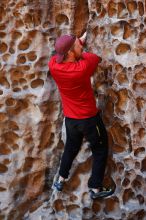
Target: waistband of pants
x,y
82,119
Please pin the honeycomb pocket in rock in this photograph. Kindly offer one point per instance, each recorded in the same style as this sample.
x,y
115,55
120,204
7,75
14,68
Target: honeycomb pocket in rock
x,y
3,116
128,31
37,83
140,199
16,35
16,89
81,17
41,62
2,34
2,26
6,161
4,82
19,106
142,38
118,149
122,10
128,195
137,183
24,44
112,9
21,59
126,182
25,87
123,48
11,50
10,137
4,149
139,152
140,102
1,190
3,47
116,29
33,182
13,125
30,130
28,20
143,165
32,56
37,17
141,75
6,57
19,23
62,19
122,78
28,164
142,133
22,81
141,8
139,88
112,205
74,183
31,76
123,97
15,147
58,205
118,134
16,74
131,6
3,168
10,102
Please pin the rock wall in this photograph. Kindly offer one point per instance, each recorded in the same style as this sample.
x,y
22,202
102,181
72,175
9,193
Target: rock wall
x,y
31,116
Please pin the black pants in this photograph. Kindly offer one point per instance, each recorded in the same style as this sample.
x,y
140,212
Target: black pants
x,y
95,133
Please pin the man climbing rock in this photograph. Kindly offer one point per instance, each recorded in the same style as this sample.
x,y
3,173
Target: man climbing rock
x,y
71,69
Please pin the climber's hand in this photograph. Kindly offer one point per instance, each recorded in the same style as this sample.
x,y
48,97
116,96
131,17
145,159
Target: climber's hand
x,y
83,37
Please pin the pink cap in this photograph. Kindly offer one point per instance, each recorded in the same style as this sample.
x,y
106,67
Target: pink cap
x,y
63,45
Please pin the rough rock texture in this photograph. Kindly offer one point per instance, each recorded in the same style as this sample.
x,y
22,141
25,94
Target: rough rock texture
x,y
31,116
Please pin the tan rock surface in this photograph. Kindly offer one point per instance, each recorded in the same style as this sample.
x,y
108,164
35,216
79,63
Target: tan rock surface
x,y
31,117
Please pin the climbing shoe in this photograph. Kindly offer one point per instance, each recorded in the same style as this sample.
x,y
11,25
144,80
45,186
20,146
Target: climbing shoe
x,y
59,185
103,192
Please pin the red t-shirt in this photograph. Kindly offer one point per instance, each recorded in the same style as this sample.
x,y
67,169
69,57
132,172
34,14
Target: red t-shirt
x,y
73,81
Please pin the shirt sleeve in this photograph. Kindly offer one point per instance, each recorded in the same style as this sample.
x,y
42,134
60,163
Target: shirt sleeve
x,y
92,61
